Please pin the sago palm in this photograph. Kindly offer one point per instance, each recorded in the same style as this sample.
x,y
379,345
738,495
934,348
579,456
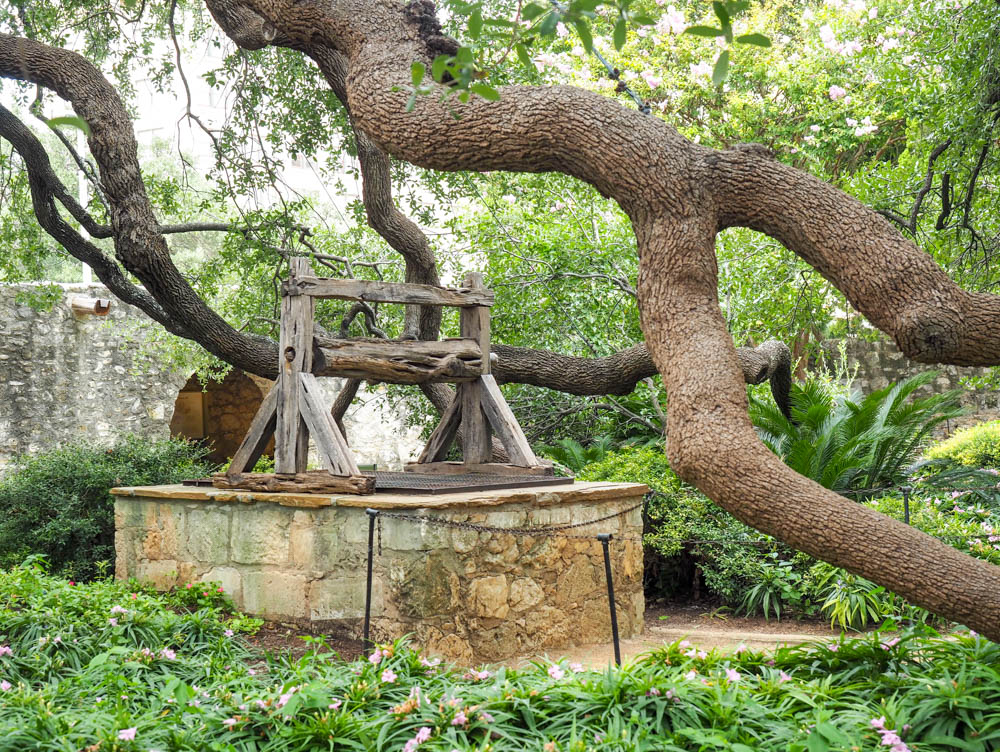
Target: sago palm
x,y
849,444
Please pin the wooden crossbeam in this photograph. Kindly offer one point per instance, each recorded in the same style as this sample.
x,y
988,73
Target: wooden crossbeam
x,y
330,442
261,431
387,292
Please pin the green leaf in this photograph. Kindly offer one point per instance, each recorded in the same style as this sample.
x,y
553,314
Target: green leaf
x,y
642,20
411,102
704,31
619,34
98,660
69,120
440,66
721,12
548,25
476,23
758,39
523,56
485,91
583,29
832,733
816,743
721,69
532,11
417,70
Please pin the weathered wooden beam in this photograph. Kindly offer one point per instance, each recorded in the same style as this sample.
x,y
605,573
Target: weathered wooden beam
x,y
475,320
495,468
330,443
291,440
260,432
387,292
476,445
408,362
504,424
314,481
444,434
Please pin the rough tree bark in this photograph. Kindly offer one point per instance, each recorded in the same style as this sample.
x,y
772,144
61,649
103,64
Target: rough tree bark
x,y
679,196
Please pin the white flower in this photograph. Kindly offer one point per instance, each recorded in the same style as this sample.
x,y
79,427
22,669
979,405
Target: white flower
x,y
837,92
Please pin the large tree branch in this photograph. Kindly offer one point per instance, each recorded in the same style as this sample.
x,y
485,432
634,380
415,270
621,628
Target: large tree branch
x,y
679,196
139,245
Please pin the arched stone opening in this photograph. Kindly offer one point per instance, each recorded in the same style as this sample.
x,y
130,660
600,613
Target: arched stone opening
x,y
220,413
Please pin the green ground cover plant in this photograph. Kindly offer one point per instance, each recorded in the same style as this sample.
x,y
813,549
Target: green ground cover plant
x,y
57,503
976,446
109,666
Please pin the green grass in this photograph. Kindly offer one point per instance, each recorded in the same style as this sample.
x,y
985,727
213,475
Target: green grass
x,y
168,672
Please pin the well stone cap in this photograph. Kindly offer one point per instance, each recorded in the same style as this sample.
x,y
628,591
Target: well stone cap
x,y
540,495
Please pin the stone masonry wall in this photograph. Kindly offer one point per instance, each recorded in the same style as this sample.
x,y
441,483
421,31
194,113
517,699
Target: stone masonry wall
x,y
469,596
881,363
64,377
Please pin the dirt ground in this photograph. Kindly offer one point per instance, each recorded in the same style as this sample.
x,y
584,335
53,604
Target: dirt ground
x,y
698,623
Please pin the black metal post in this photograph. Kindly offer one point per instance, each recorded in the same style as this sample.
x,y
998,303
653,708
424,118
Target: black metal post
x,y
372,516
605,539
906,503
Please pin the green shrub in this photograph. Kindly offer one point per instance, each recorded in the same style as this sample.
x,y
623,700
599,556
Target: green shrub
x,y
976,446
57,503
686,533
104,666
848,445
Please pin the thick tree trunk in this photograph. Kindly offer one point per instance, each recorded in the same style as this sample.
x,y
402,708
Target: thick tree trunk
x,y
679,196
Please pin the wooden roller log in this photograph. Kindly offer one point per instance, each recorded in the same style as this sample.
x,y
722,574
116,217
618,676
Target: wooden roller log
x,y
313,481
407,362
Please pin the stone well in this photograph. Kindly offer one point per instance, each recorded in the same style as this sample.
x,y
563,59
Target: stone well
x,y
466,595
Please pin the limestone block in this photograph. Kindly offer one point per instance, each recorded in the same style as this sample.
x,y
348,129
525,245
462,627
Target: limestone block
x,y
553,515
301,540
337,598
206,534
577,582
161,574
404,535
230,580
355,527
465,541
275,594
488,596
260,535
525,593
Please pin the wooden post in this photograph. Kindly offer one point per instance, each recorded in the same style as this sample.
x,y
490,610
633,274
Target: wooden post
x,y
474,323
291,441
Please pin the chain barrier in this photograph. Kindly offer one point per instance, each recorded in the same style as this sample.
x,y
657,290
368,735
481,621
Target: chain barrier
x,y
551,531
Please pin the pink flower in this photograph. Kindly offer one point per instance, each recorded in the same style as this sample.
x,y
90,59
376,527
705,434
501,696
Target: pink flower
x,y
652,80
691,674
228,633
460,719
388,676
652,692
229,722
335,705
556,673
888,644
485,717
837,92
576,668
783,677
118,610
878,723
218,590
834,647
732,674
479,675
5,650
168,654
5,685
429,663
684,644
376,657
127,734
113,622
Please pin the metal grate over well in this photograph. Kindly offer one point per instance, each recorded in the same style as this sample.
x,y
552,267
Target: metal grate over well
x,y
425,483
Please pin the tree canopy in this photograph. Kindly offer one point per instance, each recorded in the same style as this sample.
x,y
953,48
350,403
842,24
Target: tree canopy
x,y
893,102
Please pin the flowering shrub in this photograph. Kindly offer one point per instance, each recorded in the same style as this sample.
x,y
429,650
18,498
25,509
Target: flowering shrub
x,y
57,503
164,680
976,446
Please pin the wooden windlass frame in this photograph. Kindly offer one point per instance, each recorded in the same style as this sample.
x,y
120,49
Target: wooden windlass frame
x,y
293,410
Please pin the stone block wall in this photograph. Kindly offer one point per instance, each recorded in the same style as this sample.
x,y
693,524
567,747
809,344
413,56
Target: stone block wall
x,y
881,363
65,377
468,595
